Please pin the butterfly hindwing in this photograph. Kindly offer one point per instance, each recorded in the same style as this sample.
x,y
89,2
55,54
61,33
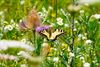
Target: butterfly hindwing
x,y
45,33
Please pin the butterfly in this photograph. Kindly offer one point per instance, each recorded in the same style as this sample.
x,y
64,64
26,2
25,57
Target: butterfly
x,y
52,36
32,20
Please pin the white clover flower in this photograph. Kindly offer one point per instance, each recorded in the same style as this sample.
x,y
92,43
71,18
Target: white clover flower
x,y
74,29
59,21
96,16
44,10
50,7
71,54
94,61
78,49
76,21
17,27
20,20
5,22
81,36
23,65
84,38
88,41
68,49
83,61
48,58
1,35
81,11
81,58
22,2
55,49
63,44
85,34
86,65
8,28
99,22
74,7
24,40
1,13
14,25
41,14
5,44
56,59
12,20
66,25
44,44
97,64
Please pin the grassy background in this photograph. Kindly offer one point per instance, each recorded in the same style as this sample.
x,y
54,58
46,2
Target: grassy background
x,y
16,10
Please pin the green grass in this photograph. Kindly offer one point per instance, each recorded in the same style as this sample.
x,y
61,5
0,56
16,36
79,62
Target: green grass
x,y
12,11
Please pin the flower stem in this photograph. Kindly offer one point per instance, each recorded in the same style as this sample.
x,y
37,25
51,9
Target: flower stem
x,y
72,44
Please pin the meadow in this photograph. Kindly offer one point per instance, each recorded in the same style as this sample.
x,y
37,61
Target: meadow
x,y
49,33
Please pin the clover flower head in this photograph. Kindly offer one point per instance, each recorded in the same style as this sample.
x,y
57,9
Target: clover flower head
x,y
96,16
55,59
86,65
12,20
41,14
88,42
22,2
8,28
81,11
66,25
81,58
1,13
23,65
71,54
59,21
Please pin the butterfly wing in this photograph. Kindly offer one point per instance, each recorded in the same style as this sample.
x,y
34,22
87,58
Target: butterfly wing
x,y
33,19
55,34
22,25
45,33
